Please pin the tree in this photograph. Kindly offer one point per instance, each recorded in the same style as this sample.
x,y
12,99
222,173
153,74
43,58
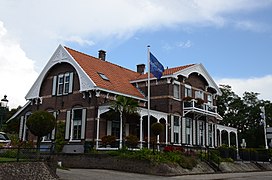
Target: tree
x,y
40,124
244,114
125,106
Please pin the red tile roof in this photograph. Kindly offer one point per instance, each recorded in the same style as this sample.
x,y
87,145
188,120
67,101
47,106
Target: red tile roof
x,y
166,72
119,77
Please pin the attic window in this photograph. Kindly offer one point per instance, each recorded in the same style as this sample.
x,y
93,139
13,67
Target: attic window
x,y
103,76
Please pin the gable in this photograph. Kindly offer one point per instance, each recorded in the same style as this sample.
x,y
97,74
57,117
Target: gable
x,y
200,69
93,73
59,56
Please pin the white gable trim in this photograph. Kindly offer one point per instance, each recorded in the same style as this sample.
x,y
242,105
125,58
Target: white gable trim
x,y
200,69
61,55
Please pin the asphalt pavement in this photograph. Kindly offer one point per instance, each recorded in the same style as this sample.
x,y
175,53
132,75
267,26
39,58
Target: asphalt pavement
x,y
99,174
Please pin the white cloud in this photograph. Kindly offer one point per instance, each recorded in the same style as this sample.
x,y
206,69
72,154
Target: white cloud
x,y
78,40
260,85
186,44
40,24
16,70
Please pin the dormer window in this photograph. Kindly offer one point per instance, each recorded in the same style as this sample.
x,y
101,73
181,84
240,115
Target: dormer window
x,y
103,76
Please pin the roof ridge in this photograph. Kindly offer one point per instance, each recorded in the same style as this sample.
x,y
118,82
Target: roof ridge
x,y
101,60
187,65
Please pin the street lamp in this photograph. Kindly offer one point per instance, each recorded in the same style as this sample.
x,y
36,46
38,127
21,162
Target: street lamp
x,y
4,104
264,124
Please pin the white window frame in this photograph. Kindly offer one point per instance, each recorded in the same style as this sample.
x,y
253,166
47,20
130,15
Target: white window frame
x,y
60,84
176,132
66,83
188,91
188,131
209,100
210,134
70,125
63,83
201,133
199,94
176,95
50,136
79,123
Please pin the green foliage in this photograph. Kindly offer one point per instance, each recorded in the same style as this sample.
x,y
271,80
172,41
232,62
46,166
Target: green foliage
x,y
108,140
187,162
156,128
60,141
132,141
41,123
243,113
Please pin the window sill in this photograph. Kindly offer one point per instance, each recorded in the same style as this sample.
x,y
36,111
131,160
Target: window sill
x,y
74,140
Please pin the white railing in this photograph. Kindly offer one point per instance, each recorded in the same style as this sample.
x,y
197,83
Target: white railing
x,y
194,104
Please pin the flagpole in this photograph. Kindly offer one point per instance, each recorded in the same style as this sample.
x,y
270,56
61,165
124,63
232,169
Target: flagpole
x,y
148,98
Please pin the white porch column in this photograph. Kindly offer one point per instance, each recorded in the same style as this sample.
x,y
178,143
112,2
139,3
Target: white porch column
x,y
194,132
121,131
141,132
207,133
97,130
197,133
220,138
229,138
179,131
172,129
236,141
215,135
166,132
183,126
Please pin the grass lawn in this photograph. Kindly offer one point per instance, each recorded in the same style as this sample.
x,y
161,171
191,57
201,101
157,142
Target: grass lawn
x,y
4,159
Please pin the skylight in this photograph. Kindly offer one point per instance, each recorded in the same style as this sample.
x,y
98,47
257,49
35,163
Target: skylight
x,y
103,76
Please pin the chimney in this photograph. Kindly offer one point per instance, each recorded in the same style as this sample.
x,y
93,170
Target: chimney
x,y
102,55
141,68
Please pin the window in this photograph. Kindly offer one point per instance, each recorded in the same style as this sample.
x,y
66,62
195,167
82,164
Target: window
x,y
176,91
199,94
66,83
60,84
188,130
188,91
103,76
115,130
210,134
77,122
50,135
209,99
63,84
176,129
201,133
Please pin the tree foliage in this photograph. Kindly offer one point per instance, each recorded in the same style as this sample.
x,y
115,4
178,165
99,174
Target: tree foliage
x,y
40,124
244,114
126,107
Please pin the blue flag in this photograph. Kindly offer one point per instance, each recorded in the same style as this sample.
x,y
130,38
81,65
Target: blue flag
x,y
156,68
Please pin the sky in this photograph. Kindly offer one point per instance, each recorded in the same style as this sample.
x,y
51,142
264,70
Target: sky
x,y
231,38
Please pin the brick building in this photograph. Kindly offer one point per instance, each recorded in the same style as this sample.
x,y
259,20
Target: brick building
x,y
78,89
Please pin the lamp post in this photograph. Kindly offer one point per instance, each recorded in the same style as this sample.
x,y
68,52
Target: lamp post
x,y
4,104
264,125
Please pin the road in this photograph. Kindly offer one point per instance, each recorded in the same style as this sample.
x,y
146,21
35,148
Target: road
x,y
98,174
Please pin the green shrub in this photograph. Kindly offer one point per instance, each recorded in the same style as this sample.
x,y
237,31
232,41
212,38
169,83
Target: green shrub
x,y
156,128
108,140
132,141
59,143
